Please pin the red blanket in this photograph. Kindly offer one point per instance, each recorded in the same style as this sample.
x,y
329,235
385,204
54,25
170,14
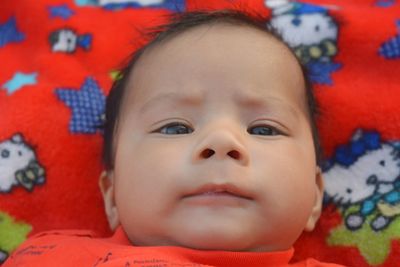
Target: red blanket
x,y
59,59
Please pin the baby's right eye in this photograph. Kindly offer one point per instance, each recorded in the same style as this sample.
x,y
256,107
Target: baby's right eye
x,y
174,128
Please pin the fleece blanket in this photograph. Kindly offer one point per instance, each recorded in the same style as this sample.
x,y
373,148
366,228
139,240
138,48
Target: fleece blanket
x,y
59,58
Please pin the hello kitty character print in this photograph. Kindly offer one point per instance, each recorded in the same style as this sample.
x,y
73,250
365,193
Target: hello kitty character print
x,y
19,165
364,175
311,32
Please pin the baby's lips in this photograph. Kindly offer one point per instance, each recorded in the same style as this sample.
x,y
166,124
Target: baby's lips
x,y
226,188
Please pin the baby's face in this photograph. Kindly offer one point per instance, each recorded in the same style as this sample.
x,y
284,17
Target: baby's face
x,y
214,149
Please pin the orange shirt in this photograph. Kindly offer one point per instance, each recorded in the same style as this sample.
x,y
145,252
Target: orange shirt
x,y
80,248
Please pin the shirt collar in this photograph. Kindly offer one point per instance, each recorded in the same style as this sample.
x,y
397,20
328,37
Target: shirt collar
x,y
212,257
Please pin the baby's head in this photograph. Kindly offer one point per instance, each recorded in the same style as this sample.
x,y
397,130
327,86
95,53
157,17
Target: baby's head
x,y
210,139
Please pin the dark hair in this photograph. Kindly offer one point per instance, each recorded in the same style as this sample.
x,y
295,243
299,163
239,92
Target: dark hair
x,y
179,23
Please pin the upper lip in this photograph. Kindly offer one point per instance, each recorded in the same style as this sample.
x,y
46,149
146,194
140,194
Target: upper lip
x,y
220,188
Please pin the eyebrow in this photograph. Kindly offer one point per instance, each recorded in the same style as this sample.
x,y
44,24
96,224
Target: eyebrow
x,y
254,102
247,101
179,98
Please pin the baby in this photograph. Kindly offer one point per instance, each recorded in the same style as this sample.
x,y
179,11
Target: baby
x,y
211,153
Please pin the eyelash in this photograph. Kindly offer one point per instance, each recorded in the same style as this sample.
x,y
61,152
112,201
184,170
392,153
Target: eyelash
x,y
271,129
160,130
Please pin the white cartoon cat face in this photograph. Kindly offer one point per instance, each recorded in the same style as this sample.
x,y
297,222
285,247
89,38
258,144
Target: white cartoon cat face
x,y
15,154
66,41
345,187
364,177
305,29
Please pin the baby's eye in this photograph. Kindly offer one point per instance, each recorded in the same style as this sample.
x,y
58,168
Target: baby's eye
x,y
175,128
264,130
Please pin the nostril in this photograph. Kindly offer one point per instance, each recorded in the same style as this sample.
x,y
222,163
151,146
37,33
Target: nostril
x,y
207,153
234,154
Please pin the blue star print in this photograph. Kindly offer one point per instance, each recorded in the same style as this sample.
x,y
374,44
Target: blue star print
x,y
19,80
385,3
87,104
62,11
85,2
320,72
9,32
174,5
391,48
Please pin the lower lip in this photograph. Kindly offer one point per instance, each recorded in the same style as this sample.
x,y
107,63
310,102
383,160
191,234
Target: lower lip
x,y
216,199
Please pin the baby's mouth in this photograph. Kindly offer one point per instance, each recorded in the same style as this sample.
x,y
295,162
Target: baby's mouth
x,y
217,194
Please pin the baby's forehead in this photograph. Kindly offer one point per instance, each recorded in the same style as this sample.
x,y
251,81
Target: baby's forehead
x,y
221,52
222,34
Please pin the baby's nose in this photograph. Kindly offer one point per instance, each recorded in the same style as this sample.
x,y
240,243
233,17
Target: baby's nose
x,y
220,145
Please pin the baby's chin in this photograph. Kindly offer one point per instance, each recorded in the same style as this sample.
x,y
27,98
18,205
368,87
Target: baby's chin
x,y
221,245
204,238
222,235
218,243
212,240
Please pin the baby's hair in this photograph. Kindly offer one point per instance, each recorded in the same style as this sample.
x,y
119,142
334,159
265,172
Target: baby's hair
x,y
178,24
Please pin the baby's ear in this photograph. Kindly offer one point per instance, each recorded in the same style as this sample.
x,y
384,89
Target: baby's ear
x,y
106,183
317,208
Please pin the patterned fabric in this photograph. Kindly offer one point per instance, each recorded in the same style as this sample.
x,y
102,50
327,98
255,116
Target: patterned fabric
x,y
51,247
59,59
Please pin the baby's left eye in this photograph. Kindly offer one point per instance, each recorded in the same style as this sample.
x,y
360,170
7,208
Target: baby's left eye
x,y
264,130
